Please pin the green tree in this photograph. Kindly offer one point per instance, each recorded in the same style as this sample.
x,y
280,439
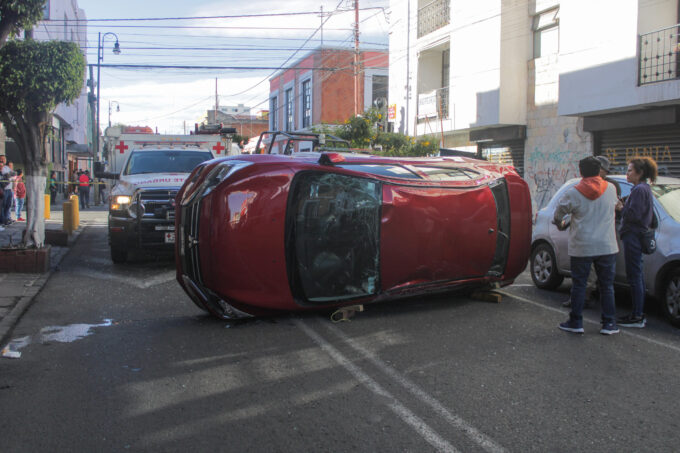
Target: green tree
x,y
16,15
35,77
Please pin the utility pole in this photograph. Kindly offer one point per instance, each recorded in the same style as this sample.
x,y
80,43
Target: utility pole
x,y
408,68
321,26
356,57
217,100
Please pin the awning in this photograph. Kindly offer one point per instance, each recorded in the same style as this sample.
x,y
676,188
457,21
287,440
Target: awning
x,y
80,150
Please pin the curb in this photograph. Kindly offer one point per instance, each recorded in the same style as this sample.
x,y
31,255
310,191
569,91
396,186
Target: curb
x,y
10,320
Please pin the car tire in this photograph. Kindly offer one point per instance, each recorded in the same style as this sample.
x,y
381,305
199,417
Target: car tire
x,y
544,267
118,254
670,297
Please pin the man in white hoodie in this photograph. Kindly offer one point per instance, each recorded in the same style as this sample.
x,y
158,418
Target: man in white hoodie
x,y
592,241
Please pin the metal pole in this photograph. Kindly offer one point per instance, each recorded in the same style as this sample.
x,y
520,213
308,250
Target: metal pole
x,y
96,135
356,57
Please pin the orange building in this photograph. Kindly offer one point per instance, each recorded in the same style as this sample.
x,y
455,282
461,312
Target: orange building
x,y
320,88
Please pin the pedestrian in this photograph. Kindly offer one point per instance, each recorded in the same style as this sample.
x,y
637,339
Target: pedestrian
x,y
637,214
53,187
3,184
6,173
84,190
592,240
20,194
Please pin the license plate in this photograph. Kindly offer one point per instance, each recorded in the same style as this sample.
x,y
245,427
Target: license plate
x,y
170,238
165,227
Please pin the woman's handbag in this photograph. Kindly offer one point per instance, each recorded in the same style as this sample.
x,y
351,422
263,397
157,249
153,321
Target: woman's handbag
x,y
648,241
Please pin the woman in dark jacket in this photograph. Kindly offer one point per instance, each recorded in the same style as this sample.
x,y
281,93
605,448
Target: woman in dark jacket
x,y
636,217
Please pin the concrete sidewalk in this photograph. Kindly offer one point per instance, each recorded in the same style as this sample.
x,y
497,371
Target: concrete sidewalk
x,y
18,290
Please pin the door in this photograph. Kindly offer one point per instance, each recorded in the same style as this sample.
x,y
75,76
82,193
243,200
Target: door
x,y
437,234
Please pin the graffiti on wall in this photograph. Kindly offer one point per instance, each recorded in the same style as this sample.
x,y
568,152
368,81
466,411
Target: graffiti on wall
x,y
547,171
619,157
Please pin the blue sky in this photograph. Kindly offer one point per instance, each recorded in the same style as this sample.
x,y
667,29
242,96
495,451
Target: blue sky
x,y
169,99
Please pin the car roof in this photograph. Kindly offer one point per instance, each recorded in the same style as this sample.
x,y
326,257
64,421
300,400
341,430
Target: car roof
x,y
659,180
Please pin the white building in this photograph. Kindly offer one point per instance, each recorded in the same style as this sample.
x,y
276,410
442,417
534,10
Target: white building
x,y
540,83
71,146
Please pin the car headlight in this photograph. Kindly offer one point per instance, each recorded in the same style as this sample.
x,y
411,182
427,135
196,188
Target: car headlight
x,y
120,202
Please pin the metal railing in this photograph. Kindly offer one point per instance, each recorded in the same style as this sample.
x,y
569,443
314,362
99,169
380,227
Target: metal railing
x,y
433,16
659,55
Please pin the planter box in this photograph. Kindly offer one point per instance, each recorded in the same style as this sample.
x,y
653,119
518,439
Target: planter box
x,y
29,261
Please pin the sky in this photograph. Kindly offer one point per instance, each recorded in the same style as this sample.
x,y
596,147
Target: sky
x,y
172,100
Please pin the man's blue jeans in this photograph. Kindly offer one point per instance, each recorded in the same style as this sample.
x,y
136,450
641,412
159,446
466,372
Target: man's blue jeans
x,y
632,249
605,267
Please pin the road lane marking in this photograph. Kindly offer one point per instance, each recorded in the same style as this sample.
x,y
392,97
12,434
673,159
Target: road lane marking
x,y
397,407
623,330
138,282
474,434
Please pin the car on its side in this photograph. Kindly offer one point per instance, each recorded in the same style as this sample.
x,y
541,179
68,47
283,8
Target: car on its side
x,y
264,234
661,270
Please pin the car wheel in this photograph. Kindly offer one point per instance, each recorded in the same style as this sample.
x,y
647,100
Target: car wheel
x,y
118,254
544,268
670,300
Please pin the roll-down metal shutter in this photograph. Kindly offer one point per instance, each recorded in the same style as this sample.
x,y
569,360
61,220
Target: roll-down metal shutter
x,y
508,153
661,143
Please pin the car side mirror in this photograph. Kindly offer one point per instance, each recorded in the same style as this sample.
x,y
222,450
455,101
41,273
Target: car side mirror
x,y
101,174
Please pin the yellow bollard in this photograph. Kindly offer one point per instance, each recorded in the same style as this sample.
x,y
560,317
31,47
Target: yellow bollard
x,y
47,206
67,207
76,211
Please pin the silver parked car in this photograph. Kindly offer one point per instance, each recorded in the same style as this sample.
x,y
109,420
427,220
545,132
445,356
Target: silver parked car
x,y
550,261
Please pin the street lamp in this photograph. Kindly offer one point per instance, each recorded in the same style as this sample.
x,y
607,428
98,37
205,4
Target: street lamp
x,y
117,109
100,57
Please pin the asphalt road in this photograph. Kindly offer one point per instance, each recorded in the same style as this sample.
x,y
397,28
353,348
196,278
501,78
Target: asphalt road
x,y
117,358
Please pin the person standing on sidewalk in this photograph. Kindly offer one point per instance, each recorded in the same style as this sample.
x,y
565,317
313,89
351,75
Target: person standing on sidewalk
x,y
53,187
6,174
636,216
20,194
84,190
592,240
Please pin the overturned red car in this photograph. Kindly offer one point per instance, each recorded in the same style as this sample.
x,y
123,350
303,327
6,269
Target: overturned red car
x,y
268,233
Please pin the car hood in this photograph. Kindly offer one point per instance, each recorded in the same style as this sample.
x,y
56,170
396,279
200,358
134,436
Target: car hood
x,y
128,183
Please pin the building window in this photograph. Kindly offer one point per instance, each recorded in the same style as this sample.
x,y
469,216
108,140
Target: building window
x,y
46,10
546,33
274,109
306,103
379,88
289,109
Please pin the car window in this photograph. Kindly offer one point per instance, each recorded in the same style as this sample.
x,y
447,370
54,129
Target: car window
x,y
448,174
331,215
560,192
165,161
390,171
669,197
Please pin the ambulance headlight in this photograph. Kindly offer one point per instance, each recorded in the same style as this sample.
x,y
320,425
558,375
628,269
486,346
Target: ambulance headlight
x,y
120,202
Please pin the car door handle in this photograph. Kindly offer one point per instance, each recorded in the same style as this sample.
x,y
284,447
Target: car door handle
x,y
491,230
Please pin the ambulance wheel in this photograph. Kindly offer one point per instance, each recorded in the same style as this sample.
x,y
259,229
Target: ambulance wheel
x,y
118,254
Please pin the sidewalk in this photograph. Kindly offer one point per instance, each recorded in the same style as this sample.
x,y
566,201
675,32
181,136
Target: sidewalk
x,y
18,290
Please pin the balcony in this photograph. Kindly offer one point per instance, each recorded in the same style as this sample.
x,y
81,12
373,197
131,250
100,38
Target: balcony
x,y
433,16
659,52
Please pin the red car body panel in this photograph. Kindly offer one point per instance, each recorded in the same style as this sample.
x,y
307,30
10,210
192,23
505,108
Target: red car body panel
x,y
433,234
236,255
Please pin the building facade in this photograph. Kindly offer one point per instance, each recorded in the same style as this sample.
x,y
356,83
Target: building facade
x,y
246,125
540,83
320,88
69,146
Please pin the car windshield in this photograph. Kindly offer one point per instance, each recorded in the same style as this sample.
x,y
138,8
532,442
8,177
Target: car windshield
x,y
669,197
165,161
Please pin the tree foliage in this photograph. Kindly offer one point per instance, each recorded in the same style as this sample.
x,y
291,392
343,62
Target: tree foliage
x,y
364,131
38,76
16,15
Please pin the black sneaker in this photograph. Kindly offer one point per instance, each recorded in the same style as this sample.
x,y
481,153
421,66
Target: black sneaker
x,y
572,325
609,328
632,321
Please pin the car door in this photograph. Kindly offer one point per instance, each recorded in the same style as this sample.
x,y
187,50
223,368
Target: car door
x,y
440,234
560,239
620,276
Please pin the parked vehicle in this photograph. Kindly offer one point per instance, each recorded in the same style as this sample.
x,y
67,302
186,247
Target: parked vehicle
x,y
264,233
550,262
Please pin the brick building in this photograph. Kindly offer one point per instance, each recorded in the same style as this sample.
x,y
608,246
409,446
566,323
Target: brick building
x,y
319,88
